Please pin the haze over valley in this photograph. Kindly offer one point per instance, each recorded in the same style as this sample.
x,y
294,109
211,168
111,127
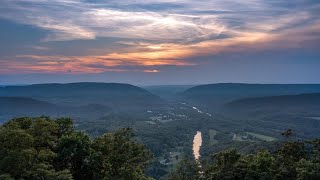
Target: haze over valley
x,y
169,120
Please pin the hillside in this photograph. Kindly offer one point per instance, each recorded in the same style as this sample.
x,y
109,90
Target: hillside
x,y
214,96
23,106
20,104
276,113
167,91
116,95
286,104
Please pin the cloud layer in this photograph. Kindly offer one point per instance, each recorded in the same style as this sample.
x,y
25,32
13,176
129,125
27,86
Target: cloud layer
x,y
153,33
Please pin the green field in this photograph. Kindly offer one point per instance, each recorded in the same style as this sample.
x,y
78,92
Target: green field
x,y
212,134
261,137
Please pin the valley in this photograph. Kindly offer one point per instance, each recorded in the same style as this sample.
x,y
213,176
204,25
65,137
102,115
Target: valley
x,y
174,126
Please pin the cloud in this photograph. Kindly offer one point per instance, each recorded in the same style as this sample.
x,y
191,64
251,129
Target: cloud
x,y
151,71
71,20
40,48
195,20
155,35
93,64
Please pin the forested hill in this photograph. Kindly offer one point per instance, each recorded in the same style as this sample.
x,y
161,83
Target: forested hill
x,y
115,95
167,91
216,95
24,106
298,112
14,104
301,103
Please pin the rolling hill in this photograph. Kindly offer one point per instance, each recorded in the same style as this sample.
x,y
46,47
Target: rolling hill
x,y
23,106
276,113
115,95
286,104
214,96
168,92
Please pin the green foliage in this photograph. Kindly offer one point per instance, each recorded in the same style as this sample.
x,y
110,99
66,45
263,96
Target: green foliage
x,y
223,165
261,166
44,148
307,169
121,157
73,152
292,160
186,170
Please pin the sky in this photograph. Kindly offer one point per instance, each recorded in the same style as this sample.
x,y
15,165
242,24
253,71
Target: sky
x,y
153,42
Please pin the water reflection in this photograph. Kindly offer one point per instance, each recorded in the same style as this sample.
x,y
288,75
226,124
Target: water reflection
x,y
197,142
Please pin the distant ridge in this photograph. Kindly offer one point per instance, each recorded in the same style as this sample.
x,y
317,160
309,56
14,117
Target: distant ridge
x,y
116,95
216,95
299,112
301,101
79,87
233,87
11,103
23,106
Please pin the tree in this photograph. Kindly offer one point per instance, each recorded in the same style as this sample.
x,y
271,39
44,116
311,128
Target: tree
x,y
187,169
308,170
224,165
44,148
16,152
73,152
288,133
120,157
261,166
65,126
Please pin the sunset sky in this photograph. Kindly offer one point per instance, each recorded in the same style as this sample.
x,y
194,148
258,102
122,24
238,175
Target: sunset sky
x,y
147,42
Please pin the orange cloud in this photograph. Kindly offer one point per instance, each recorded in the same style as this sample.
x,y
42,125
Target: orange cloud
x,y
153,55
146,56
104,63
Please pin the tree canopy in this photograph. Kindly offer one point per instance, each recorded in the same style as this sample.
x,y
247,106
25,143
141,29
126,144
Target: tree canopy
x,y
293,159
45,148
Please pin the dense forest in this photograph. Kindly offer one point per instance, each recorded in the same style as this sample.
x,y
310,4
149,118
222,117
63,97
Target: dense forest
x,y
292,159
45,148
164,122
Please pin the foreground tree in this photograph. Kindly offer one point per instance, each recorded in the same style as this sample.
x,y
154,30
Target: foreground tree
x,y
292,160
187,169
44,148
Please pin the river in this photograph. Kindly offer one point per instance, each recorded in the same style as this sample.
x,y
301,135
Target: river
x,y
197,142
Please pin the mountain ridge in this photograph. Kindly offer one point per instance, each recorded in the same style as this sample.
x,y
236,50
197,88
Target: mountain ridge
x,y
216,95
